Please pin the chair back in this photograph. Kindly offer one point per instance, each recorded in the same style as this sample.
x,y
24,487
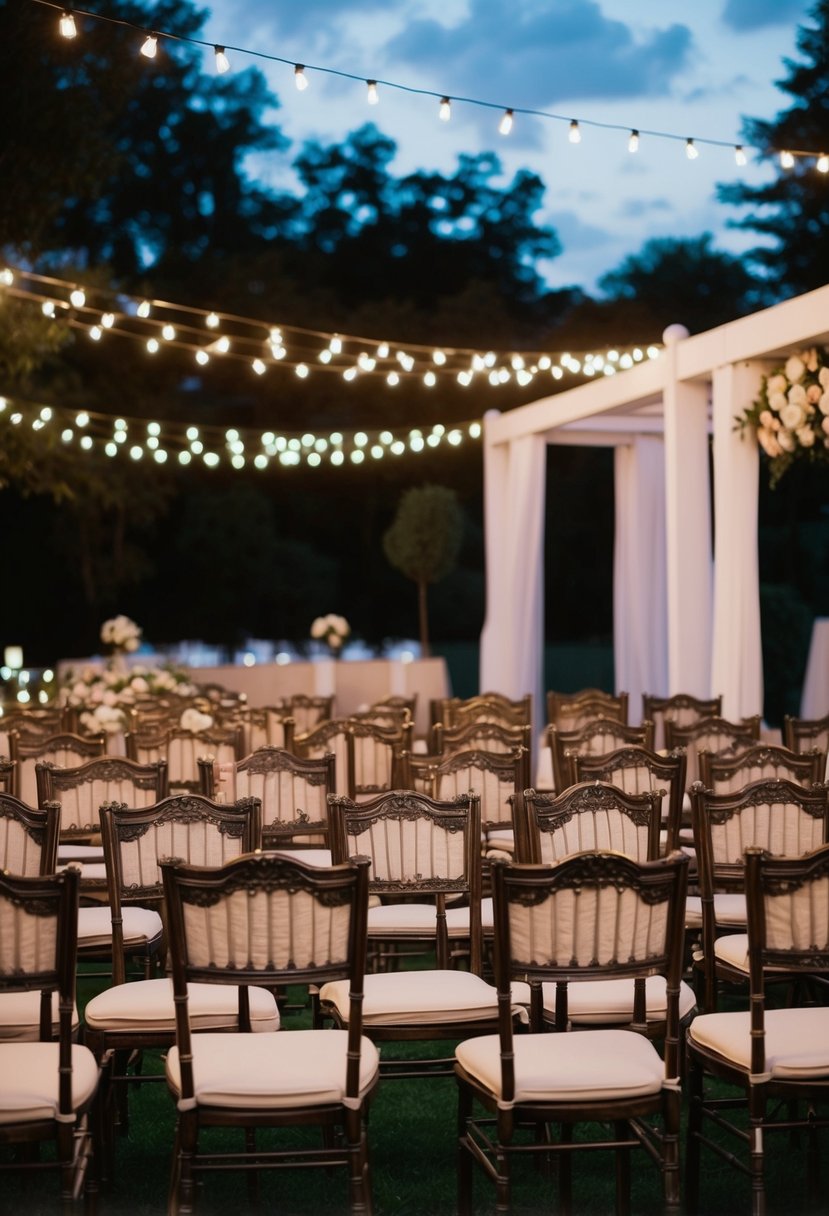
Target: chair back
x,y
308,712
488,707
586,817
28,837
372,752
597,915
801,734
85,787
418,846
293,793
185,826
570,710
636,769
7,775
787,904
264,726
481,736
681,708
182,749
266,919
715,735
495,778
595,738
727,774
64,749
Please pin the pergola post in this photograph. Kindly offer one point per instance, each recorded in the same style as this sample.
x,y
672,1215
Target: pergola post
x,y
687,525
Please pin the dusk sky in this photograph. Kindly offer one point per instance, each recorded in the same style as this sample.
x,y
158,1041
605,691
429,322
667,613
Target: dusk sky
x,y
689,70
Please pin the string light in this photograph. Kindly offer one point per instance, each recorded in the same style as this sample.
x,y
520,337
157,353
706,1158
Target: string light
x,y
211,321
372,96
222,61
691,150
505,125
822,165
300,79
740,156
786,159
149,47
445,111
77,298
633,141
67,24
575,131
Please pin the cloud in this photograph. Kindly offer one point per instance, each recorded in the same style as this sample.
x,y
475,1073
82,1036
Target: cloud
x,y
528,56
635,208
757,14
574,234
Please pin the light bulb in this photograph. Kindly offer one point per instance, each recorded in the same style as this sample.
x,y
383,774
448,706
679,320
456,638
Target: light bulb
x,y
372,96
108,320
77,298
202,357
505,125
211,321
152,345
786,160
822,163
259,367
143,309
575,132
302,370
439,357
149,46
222,61
739,155
168,333
430,379
300,79
445,111
335,345
691,150
47,308
633,142
67,25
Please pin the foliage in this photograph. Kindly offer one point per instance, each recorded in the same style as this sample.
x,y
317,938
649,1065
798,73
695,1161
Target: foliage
x,y
424,540
791,212
686,281
791,414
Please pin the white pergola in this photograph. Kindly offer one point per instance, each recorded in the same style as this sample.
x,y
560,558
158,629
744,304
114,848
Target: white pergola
x,y
686,606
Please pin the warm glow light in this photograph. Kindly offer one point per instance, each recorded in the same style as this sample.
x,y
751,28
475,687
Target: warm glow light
x,y
259,367
222,61
202,357
152,345
505,125
739,155
633,142
445,109
302,370
143,309
47,308
300,79
335,345
211,321
108,320
150,46
372,95
95,333
67,25
822,164
786,160
691,150
168,333
575,132
77,298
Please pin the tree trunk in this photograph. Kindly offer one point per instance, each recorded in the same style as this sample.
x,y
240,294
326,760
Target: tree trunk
x,y
423,618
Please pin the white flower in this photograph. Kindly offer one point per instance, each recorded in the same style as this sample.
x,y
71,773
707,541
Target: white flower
x,y
825,425
786,440
777,401
823,377
121,632
793,416
813,394
319,627
768,442
777,383
805,436
810,358
797,394
195,720
335,641
824,403
139,684
795,367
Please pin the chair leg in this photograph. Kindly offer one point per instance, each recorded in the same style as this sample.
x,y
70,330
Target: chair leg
x,y
671,1117
357,1163
756,1112
565,1172
505,1129
464,1157
621,1132
692,1142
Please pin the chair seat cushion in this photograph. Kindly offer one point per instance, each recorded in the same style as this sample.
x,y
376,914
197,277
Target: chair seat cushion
x,y
29,1088
399,998
273,1071
80,852
311,857
600,1065
457,919
732,948
599,1002
95,926
729,909
20,1016
414,920
797,1040
146,1004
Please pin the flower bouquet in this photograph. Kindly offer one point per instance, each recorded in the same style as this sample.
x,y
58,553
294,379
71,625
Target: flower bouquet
x,y
332,630
791,415
106,697
121,635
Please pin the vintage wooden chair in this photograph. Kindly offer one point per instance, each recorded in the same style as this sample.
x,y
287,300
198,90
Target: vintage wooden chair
x,y
570,710
636,769
594,738
682,708
727,774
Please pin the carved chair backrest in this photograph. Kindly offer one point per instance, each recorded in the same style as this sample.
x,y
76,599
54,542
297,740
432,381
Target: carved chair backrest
x,y
681,708
65,749
569,711
727,774
82,789
589,816
594,738
636,769
801,734
28,836
716,735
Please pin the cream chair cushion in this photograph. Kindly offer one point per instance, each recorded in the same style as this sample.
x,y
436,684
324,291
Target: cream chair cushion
x,y
274,1071
95,926
417,997
29,1086
597,1002
601,1065
797,1040
148,1004
20,1016
729,909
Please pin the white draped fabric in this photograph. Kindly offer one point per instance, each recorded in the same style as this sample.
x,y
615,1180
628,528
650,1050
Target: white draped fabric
x,y
640,640
513,634
736,659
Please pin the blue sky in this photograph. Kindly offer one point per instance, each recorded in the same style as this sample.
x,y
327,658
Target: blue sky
x,y
692,70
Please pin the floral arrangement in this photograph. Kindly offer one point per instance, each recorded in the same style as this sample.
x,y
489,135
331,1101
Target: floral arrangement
x,y
121,635
331,629
791,415
195,720
106,696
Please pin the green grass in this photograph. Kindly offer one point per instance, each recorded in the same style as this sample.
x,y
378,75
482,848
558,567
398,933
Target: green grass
x,y
412,1134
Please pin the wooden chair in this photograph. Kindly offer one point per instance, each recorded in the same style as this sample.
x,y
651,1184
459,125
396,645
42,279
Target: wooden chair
x,y
495,778
570,710
586,817
308,712
482,736
182,749
802,734
716,735
487,707
636,769
7,775
727,774
65,749
682,709
784,819
49,1083
139,1015
595,916
778,1059
423,851
364,754
292,924
293,793
264,726
594,738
